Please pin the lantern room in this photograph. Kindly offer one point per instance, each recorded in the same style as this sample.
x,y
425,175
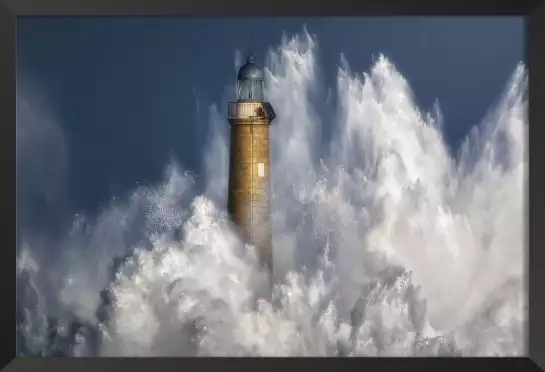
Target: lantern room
x,y
250,82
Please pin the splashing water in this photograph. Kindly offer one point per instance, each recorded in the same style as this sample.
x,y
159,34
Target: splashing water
x,y
385,246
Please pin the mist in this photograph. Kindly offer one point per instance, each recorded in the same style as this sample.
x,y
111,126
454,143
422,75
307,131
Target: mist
x,y
385,243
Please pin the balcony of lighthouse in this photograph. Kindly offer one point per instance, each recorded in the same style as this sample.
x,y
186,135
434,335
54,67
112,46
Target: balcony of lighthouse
x,y
250,110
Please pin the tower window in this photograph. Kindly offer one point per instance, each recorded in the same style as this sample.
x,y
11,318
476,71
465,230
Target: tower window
x,y
261,170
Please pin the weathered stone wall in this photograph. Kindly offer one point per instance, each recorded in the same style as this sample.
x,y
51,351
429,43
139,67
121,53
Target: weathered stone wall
x,y
249,183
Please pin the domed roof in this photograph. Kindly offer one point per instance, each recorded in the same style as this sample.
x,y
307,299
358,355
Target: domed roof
x,y
250,70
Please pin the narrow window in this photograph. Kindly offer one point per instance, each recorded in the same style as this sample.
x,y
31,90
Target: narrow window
x,y
261,170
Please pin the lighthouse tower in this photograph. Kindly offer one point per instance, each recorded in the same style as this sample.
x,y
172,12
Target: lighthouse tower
x,y
249,159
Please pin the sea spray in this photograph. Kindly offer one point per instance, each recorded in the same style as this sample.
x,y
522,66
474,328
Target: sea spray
x,y
385,244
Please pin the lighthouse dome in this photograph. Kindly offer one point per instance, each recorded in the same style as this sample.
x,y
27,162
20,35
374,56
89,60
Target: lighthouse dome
x,y
250,70
250,82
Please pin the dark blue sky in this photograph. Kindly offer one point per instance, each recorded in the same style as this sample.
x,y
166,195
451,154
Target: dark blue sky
x,y
124,89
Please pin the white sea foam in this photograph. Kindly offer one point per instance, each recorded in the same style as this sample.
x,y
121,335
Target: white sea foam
x,y
384,243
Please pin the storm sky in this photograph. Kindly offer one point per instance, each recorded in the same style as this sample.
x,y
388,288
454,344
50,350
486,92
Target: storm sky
x,y
128,94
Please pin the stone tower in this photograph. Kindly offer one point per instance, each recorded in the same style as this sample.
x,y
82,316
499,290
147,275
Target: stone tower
x,y
249,171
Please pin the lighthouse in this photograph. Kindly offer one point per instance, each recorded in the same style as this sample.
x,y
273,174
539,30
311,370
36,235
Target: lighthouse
x,y
249,161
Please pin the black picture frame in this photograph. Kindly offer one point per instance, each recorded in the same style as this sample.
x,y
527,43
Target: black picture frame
x,y
535,34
